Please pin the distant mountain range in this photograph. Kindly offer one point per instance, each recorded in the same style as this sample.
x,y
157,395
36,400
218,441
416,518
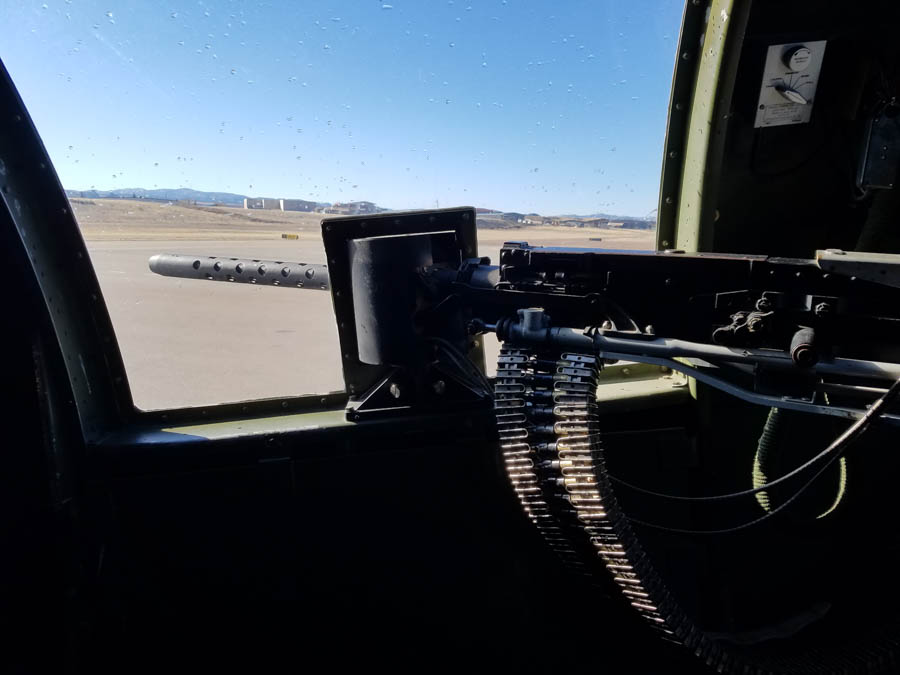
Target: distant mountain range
x,y
232,199
161,194
613,217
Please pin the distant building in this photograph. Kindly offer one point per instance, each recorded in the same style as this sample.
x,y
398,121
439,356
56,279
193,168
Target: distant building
x,y
533,219
262,203
567,222
513,216
297,205
353,208
366,207
596,222
347,209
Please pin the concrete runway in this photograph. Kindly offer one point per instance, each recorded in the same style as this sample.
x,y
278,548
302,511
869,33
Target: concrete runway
x,y
187,342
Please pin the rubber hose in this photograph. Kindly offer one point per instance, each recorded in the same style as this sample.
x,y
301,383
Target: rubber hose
x,y
774,443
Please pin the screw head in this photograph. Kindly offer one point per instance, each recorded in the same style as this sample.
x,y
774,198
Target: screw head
x,y
439,387
395,390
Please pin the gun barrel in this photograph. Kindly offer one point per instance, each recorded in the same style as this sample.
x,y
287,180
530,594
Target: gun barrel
x,y
242,270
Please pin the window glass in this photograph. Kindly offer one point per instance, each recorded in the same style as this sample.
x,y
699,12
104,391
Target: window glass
x,y
232,129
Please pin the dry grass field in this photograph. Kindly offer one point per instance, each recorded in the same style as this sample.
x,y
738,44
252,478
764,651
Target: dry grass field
x,y
187,343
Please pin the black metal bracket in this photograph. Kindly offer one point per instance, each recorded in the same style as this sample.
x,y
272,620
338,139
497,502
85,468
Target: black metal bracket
x,y
388,388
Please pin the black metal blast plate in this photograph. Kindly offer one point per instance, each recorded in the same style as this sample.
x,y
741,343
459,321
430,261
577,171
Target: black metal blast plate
x,y
337,232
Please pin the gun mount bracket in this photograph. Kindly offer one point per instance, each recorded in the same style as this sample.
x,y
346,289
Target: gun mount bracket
x,y
455,240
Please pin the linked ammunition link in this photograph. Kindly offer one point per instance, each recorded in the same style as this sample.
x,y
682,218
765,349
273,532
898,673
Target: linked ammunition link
x,y
549,438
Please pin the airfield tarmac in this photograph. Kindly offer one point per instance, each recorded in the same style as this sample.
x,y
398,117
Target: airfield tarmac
x,y
188,342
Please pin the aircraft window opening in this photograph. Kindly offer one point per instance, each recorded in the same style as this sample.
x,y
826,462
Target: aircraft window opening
x,y
230,131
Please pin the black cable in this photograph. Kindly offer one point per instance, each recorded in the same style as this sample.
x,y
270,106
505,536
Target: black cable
x,y
464,364
837,446
749,523
850,435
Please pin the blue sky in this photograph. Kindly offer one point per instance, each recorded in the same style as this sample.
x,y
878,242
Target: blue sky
x,y
551,107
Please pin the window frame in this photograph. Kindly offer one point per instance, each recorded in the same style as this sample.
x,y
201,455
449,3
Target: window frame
x,y
40,210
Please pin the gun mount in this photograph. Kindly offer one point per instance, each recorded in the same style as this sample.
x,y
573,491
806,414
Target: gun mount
x,y
817,336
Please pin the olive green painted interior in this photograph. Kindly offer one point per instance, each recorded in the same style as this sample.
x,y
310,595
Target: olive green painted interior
x,y
700,124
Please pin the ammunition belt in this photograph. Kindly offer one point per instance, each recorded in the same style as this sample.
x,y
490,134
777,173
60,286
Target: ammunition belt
x,y
549,439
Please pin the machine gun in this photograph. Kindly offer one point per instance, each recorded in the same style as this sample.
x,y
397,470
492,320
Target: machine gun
x,y
411,300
